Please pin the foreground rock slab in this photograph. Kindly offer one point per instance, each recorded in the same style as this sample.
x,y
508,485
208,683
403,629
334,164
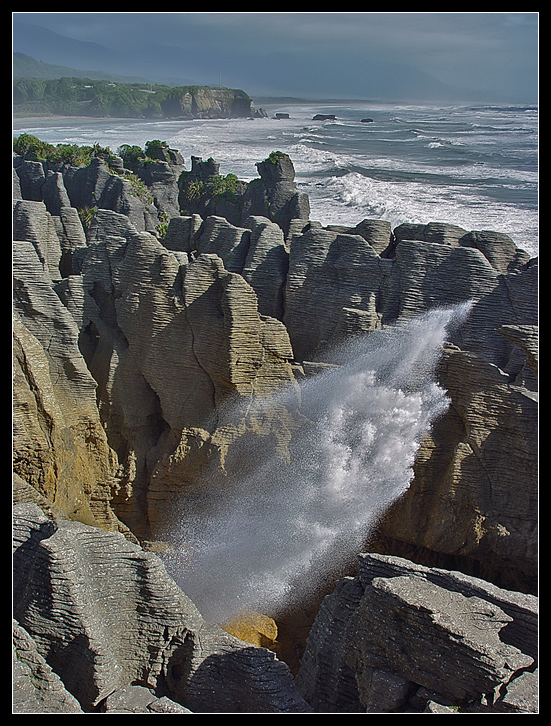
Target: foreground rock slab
x,y
104,615
401,638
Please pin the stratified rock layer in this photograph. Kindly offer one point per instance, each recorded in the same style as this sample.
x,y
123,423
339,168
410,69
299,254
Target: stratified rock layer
x,y
474,499
60,446
386,639
144,368
104,615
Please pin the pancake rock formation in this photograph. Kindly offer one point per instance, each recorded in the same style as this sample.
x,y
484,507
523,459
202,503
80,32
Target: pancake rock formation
x,y
151,335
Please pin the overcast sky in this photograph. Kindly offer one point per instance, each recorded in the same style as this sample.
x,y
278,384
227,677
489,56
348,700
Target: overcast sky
x,y
344,55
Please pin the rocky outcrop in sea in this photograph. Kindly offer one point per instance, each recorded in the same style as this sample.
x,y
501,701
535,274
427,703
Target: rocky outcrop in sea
x,y
149,335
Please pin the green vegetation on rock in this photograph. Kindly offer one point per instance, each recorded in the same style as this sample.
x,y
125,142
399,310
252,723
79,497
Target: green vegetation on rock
x,y
86,215
275,156
225,186
36,150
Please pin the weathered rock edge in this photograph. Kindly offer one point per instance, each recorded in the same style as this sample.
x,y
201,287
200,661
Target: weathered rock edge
x,y
98,614
402,638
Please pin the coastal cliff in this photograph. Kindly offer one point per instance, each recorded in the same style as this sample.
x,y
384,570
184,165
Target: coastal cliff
x,y
154,322
100,98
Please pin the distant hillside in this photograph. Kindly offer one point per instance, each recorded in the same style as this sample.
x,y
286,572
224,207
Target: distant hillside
x,y
26,67
74,96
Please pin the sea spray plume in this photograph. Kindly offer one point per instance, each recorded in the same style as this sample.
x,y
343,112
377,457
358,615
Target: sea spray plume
x,y
270,539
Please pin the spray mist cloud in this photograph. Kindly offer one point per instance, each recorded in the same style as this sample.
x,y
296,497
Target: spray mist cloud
x,y
283,528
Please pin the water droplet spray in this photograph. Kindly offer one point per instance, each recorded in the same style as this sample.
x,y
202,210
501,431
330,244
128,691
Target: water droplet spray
x,y
284,527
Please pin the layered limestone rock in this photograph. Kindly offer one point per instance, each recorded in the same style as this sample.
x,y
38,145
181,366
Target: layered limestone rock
x,y
59,444
401,638
331,289
168,343
161,178
334,272
204,192
144,366
275,195
180,353
473,503
478,466
498,248
103,615
240,358
36,687
206,102
103,184
257,251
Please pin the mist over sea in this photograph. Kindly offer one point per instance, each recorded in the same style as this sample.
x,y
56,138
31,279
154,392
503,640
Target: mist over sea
x,y
474,166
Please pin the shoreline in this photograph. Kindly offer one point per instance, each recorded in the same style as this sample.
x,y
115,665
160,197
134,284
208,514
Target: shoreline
x,y
130,119
348,178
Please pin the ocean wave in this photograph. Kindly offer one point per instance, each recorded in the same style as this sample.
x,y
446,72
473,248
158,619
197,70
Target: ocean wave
x,y
473,165
350,198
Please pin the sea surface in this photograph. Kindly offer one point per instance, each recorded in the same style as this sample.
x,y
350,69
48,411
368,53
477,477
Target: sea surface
x,y
474,166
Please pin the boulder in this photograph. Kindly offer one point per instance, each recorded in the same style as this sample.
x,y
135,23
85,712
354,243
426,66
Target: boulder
x,y
436,232
434,274
16,187
257,251
253,627
449,643
36,688
72,239
498,248
237,360
377,232
108,223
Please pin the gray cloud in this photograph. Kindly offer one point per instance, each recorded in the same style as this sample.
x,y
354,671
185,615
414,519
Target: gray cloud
x,y
333,54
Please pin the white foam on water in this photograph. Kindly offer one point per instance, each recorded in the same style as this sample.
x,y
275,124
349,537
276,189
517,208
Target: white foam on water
x,y
473,167
349,198
285,527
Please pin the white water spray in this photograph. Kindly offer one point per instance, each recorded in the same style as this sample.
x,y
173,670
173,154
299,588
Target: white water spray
x,y
283,529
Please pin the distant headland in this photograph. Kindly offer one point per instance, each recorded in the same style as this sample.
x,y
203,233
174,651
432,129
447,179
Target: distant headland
x,y
70,96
